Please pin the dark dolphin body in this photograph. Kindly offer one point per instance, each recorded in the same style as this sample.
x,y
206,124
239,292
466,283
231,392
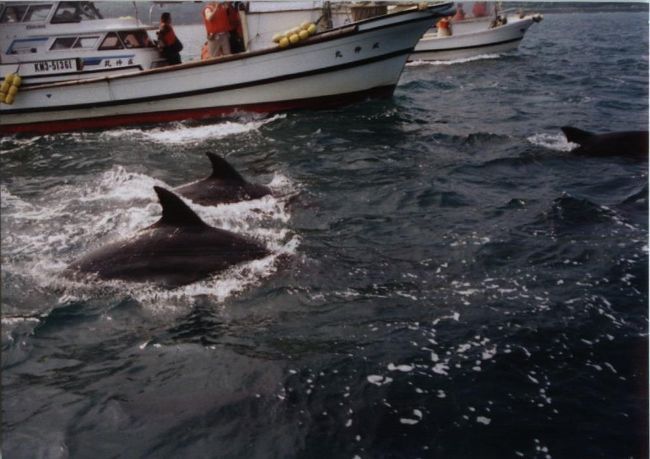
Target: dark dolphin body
x,y
225,185
177,250
632,144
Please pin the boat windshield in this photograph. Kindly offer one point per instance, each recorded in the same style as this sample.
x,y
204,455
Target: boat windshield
x,y
75,12
66,12
35,12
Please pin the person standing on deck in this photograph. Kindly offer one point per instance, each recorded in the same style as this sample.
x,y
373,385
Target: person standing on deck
x,y
217,26
479,9
460,13
168,44
236,29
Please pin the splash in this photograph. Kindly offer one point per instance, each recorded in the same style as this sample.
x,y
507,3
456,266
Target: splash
x,y
180,133
480,57
557,142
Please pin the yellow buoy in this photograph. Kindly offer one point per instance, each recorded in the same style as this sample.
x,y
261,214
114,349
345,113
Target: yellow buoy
x,y
284,42
5,86
9,99
17,80
12,90
311,29
294,38
294,30
303,34
277,37
305,24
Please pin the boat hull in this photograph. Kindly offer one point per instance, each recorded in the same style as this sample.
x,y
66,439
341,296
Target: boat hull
x,y
475,40
359,61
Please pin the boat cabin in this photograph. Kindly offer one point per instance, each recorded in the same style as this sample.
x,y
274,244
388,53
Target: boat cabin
x,y
53,41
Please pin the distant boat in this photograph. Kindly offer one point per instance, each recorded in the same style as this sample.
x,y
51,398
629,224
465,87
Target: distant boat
x,y
58,41
475,36
338,67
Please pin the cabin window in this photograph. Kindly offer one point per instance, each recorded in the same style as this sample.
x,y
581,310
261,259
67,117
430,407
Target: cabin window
x,y
13,13
26,45
86,42
111,41
63,43
75,12
37,13
135,39
66,12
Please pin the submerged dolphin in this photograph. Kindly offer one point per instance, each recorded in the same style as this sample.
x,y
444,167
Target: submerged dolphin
x,y
632,144
176,250
225,185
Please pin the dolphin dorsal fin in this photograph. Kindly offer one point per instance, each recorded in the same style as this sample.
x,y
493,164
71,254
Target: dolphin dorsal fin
x,y
576,135
222,170
174,211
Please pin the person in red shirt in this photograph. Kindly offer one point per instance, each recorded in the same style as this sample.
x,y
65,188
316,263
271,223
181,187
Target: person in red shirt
x,y
479,9
460,13
168,44
217,26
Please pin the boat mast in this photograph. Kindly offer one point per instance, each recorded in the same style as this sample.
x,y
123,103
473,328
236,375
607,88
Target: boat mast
x,y
327,15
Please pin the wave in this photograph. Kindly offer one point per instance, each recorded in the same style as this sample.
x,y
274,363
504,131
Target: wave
x,y
557,142
180,133
480,57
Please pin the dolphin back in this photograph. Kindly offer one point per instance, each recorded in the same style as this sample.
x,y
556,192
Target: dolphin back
x,y
224,185
222,170
177,250
576,135
174,211
630,144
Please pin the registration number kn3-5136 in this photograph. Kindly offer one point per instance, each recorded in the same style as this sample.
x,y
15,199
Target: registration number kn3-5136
x,y
56,66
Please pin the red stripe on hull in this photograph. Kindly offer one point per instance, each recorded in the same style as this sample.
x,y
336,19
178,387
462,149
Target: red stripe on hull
x,y
52,127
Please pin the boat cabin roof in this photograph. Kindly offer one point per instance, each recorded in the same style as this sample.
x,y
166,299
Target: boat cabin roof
x,y
48,12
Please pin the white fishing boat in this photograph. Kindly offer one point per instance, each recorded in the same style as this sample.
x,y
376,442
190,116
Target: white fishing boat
x,y
343,65
495,33
55,41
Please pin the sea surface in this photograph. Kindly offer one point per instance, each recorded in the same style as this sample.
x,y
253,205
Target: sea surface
x,y
445,281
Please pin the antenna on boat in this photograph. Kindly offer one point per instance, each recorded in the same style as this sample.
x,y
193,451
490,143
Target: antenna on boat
x,y
135,7
153,5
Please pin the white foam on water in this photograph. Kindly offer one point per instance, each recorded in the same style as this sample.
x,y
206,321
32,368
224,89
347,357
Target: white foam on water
x,y
409,421
9,200
181,134
7,321
402,368
379,380
480,57
557,142
10,145
118,184
483,420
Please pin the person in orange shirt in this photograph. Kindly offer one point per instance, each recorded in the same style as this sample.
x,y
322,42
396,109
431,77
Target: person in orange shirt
x,y
444,27
217,26
168,44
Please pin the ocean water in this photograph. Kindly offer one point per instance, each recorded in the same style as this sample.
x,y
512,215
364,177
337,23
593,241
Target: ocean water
x,y
445,279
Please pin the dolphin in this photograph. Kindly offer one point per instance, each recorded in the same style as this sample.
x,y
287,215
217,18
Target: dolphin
x,y
177,250
633,144
224,186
